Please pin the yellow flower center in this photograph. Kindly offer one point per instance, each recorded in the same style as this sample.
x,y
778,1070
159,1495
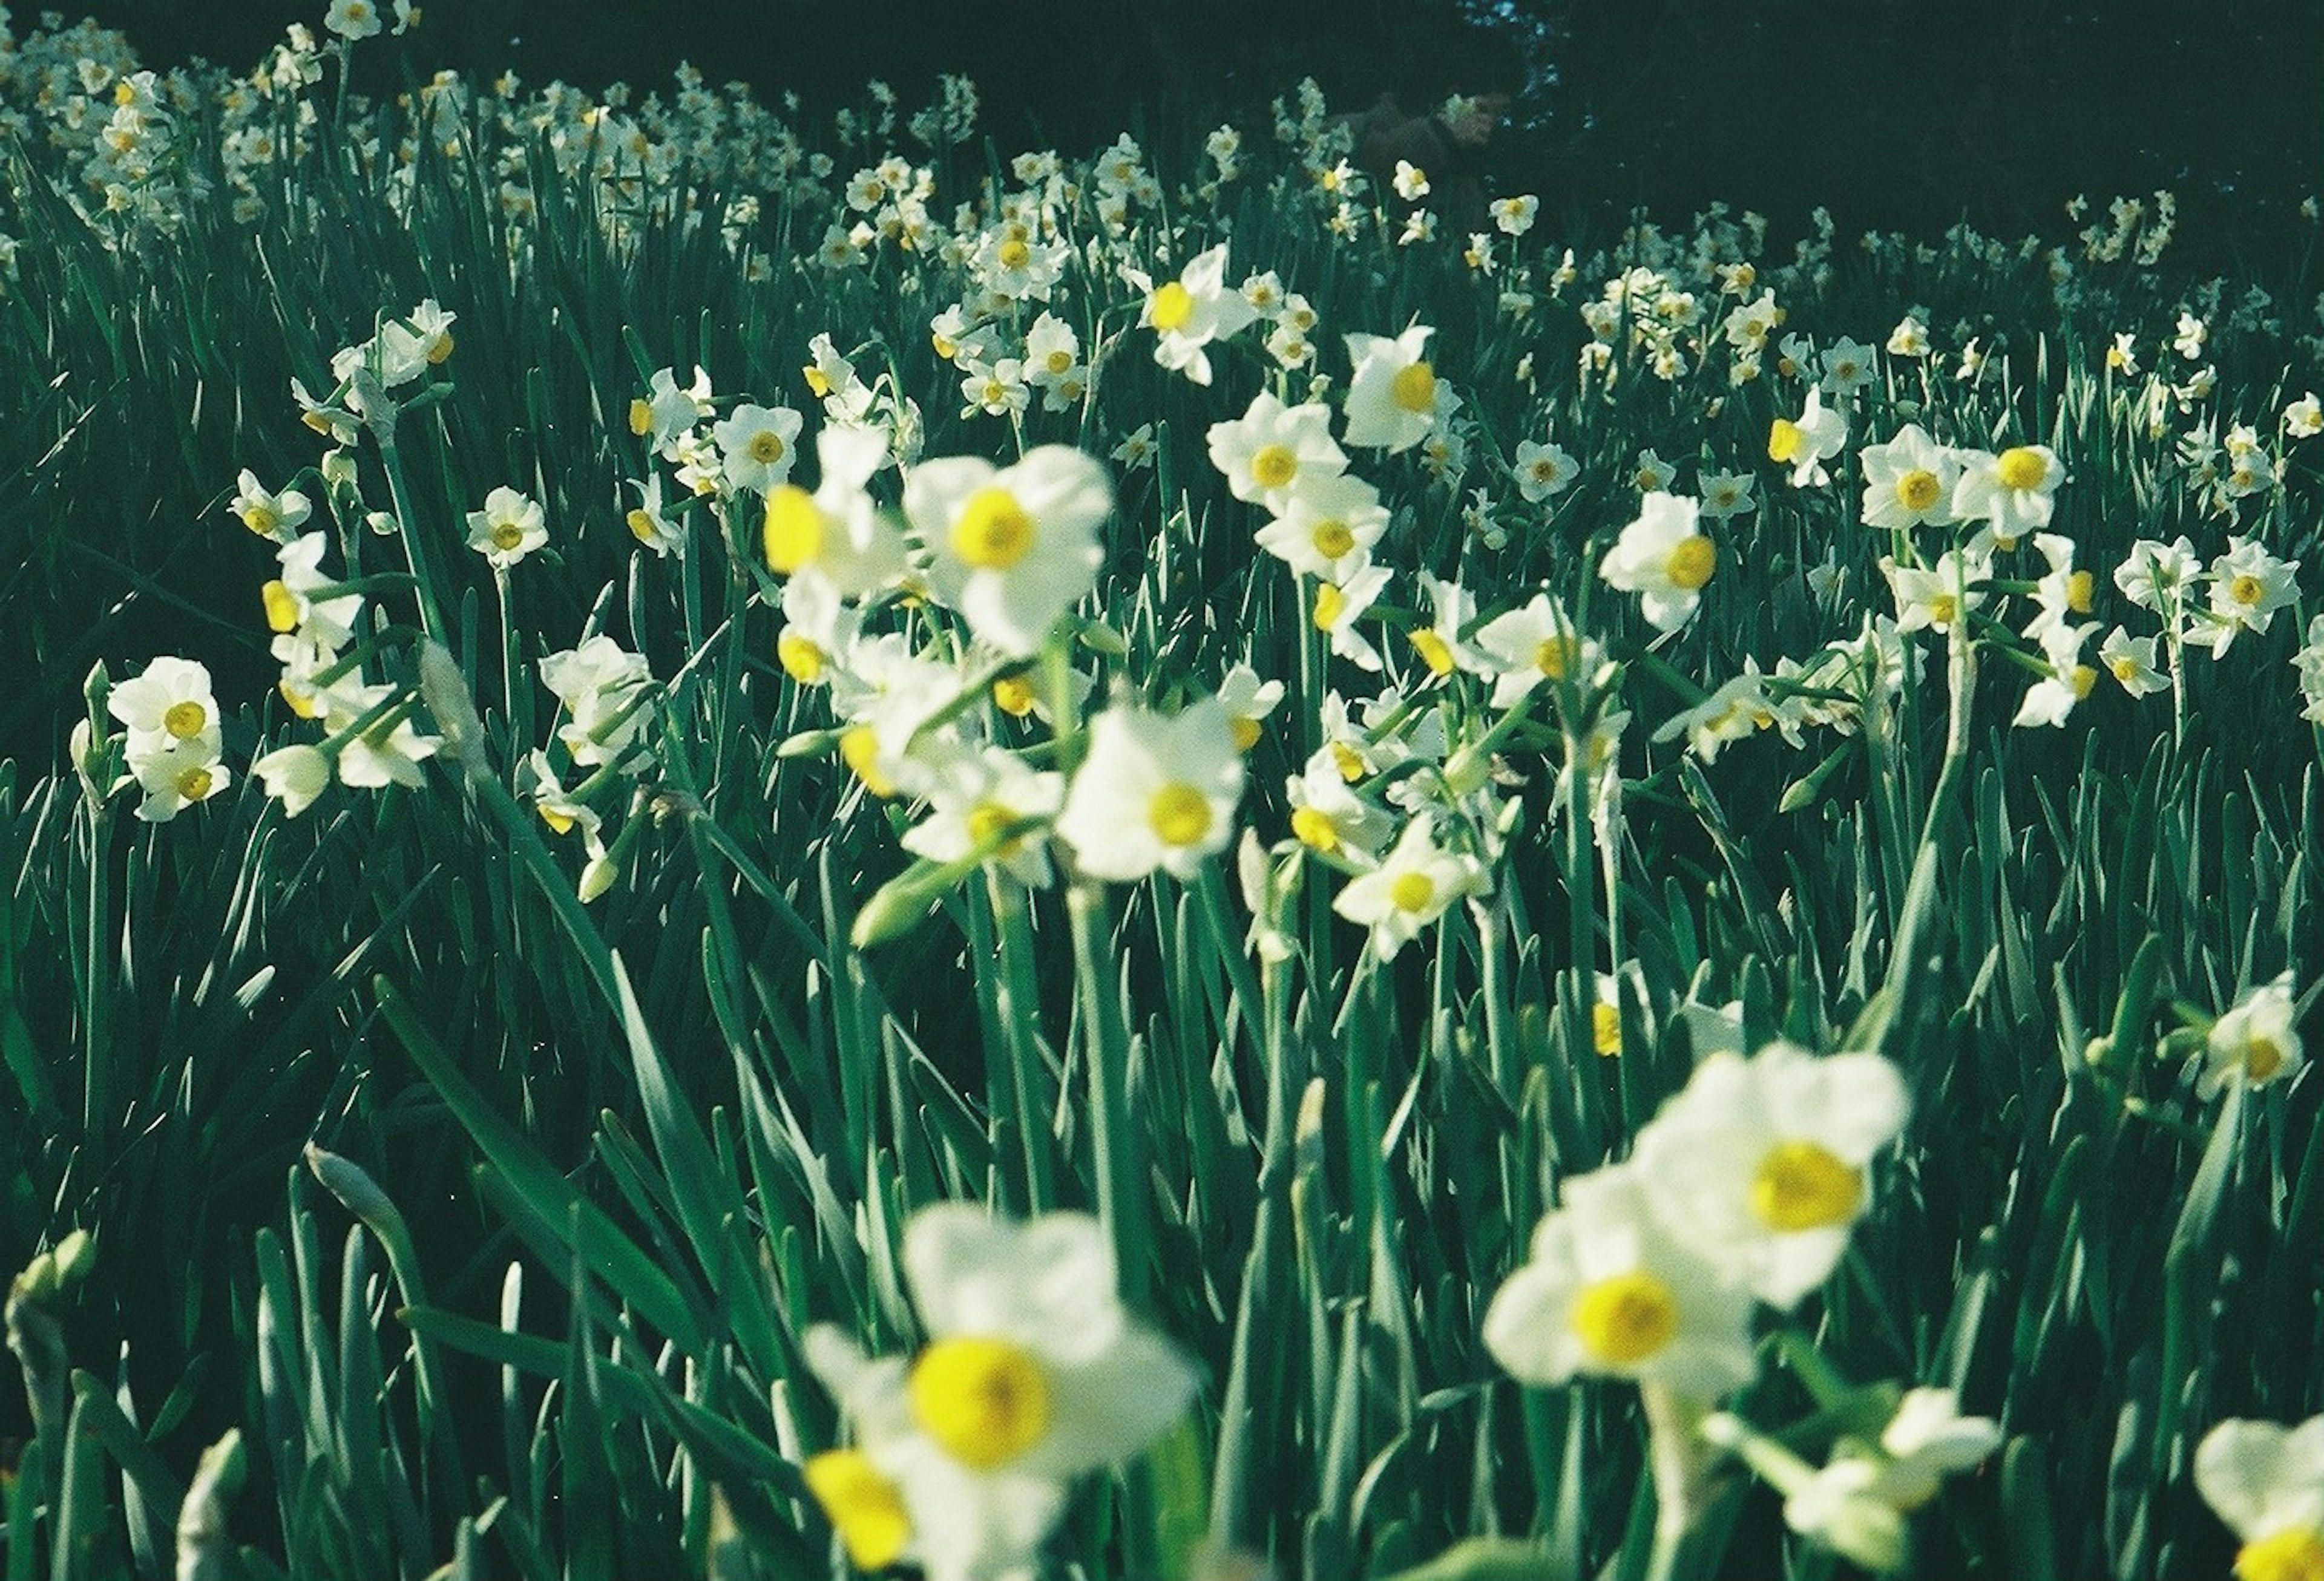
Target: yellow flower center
x,y
801,657
1244,731
125,92
260,518
1802,1185
1330,601
1412,892
1173,305
1333,538
2262,1058
1692,561
2124,667
2293,1555
185,720
302,703
1784,438
440,352
2081,679
1014,253
987,821
1013,695
795,528
641,417
316,421
1060,360
766,446
993,531
1433,650
1625,1319
559,821
1606,1028
818,382
859,748
1274,467
1918,490
1178,814
985,1402
642,525
1944,608
1314,829
1553,657
2078,587
507,535
1348,760
1414,388
282,606
2021,467
863,1506
195,783
2246,590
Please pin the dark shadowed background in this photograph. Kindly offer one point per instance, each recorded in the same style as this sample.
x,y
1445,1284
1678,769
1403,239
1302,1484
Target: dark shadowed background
x,y
1895,114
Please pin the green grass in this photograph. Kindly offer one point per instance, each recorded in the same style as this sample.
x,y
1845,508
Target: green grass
x,y
593,1170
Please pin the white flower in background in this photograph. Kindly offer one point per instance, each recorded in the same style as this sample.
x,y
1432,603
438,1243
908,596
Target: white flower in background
x,y
509,527
353,19
2067,681
1651,473
668,412
1761,1164
2062,591
2267,1483
1011,547
1190,312
2308,665
1609,1289
2248,585
1413,886
991,795
1726,494
1439,644
1394,396
2187,342
1514,216
1410,181
2155,574
1338,605
1907,482
1910,338
1848,367
1927,1440
757,445
997,389
650,522
1273,454
2255,1042
1533,643
2303,418
601,685
1664,558
2009,492
1154,792
1543,471
1328,816
388,750
836,533
1247,699
2130,661
1805,443
1328,528
270,516
175,774
327,623
294,775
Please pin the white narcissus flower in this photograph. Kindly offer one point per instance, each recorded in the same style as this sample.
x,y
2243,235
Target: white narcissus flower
x,y
1032,1362
1663,556
509,527
1609,1289
1328,816
1542,469
1936,596
1412,886
389,750
1274,454
1533,643
294,775
650,523
1190,312
757,445
1154,792
600,684
1337,606
1927,1440
1805,443
2308,665
2069,680
1726,494
2267,1483
836,535
1247,699
987,795
2255,1042
353,19
2010,493
1328,528
1013,547
1394,396
1761,1163
2248,585
1907,482
167,706
2130,661
667,411
327,623
270,516
2156,573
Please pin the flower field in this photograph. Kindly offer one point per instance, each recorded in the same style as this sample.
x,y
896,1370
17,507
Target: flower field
x,y
748,847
